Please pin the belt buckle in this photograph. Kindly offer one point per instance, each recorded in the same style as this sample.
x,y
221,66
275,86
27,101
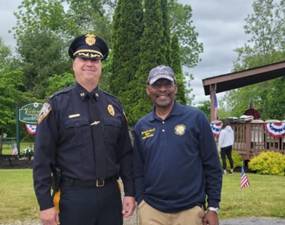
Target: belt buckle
x,y
100,183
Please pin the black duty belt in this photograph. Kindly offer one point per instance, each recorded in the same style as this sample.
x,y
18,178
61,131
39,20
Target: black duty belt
x,y
67,181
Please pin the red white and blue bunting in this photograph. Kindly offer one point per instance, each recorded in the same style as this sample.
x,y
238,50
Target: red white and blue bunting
x,y
216,127
275,129
31,129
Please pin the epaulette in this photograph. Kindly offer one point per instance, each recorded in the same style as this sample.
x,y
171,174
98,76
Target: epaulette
x,y
110,95
65,90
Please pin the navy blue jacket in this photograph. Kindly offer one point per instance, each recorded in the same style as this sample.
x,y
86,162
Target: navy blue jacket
x,y
86,136
176,161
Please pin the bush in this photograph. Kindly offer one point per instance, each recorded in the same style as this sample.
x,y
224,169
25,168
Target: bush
x,y
238,162
272,163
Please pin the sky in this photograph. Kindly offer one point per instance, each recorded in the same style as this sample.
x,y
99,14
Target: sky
x,y
218,22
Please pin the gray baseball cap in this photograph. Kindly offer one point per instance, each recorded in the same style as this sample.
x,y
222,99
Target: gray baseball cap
x,y
160,72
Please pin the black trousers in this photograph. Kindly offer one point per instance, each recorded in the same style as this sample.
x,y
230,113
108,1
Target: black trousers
x,y
91,205
227,152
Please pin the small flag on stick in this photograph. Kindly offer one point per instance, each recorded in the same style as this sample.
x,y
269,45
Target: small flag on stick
x,y
244,182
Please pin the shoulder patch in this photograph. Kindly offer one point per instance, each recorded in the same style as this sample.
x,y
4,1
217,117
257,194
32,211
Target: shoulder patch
x,y
44,112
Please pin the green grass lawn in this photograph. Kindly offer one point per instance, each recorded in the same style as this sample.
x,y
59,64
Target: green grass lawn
x,y
264,198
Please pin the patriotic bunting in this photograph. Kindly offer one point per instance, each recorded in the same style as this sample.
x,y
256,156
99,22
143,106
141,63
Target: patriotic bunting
x,y
216,127
275,129
31,129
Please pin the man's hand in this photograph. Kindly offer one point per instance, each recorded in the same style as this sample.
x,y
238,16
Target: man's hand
x,y
211,218
49,216
129,206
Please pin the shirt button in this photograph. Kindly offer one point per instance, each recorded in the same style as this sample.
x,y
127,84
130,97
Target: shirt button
x,y
163,122
163,130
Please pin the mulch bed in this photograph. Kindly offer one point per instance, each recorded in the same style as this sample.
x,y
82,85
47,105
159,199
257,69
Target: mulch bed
x,y
15,164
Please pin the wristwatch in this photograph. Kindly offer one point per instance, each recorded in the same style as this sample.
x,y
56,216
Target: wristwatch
x,y
213,209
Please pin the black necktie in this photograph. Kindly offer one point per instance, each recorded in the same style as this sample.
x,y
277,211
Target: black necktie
x,y
97,127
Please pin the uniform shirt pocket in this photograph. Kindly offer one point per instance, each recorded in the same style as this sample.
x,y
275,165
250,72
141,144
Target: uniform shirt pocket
x,y
76,132
112,129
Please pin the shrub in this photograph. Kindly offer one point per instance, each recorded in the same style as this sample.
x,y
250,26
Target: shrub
x,y
272,163
238,162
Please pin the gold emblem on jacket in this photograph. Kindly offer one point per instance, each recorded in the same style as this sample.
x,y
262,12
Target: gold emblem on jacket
x,y
111,110
180,129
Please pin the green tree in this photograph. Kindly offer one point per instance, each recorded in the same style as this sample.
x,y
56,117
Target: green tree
x,y
205,106
58,82
176,65
166,32
265,46
127,30
181,24
42,56
5,54
44,30
151,55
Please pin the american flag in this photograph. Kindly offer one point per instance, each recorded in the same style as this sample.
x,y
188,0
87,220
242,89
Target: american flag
x,y
244,182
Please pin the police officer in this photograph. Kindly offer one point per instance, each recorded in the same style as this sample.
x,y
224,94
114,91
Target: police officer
x,y
83,134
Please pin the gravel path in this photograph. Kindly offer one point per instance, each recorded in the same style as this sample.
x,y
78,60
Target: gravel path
x,y
237,221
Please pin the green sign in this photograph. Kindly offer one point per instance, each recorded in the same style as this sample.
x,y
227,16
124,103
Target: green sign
x,y
29,113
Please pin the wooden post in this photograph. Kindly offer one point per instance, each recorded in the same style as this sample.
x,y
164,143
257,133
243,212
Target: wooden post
x,y
214,110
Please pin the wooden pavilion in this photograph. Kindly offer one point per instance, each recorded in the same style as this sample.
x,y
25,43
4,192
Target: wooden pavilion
x,y
250,138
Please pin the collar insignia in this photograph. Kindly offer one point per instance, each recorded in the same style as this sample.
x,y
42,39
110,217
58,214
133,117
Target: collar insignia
x,y
147,133
111,110
90,39
180,129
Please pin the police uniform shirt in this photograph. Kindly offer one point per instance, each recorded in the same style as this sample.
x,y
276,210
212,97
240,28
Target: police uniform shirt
x,y
86,136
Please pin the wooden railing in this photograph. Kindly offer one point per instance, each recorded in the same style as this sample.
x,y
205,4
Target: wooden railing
x,y
251,138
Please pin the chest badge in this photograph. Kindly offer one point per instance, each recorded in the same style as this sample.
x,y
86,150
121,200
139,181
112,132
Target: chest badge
x,y
179,129
111,110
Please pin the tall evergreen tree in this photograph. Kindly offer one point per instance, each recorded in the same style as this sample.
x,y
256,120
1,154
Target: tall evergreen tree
x,y
127,30
166,32
176,65
151,55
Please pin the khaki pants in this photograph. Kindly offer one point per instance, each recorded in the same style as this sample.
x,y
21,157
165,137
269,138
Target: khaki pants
x,y
151,216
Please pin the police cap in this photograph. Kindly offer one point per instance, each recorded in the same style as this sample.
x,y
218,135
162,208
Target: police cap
x,y
88,46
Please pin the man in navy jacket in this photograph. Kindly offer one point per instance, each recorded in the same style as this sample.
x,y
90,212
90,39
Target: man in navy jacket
x,y
178,176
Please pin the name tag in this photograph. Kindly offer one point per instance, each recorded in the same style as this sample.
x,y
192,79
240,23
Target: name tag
x,y
147,133
73,116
